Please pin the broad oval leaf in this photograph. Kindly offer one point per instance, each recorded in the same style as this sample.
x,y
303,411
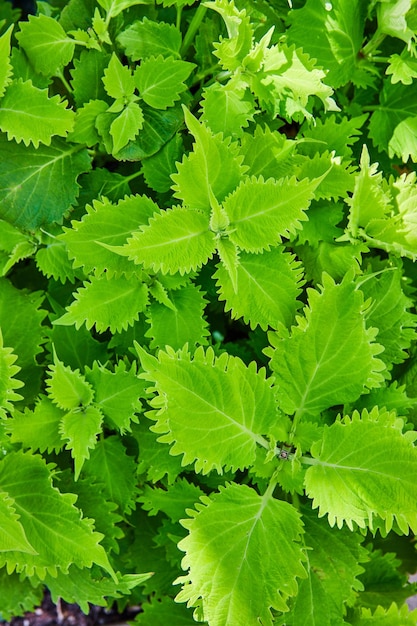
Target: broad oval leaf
x,y
161,80
28,114
146,38
268,285
329,358
102,303
79,428
364,468
68,388
175,240
263,212
214,410
69,540
46,44
33,191
6,69
241,546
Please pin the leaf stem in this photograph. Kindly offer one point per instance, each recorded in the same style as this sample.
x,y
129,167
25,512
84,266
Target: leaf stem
x,y
64,81
193,28
373,44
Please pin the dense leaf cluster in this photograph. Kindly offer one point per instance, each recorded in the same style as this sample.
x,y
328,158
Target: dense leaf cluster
x,y
208,237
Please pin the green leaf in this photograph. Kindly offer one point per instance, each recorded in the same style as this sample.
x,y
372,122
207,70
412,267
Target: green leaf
x,y
226,109
161,612
8,382
268,154
28,114
233,50
401,69
46,44
87,76
118,79
155,462
396,103
84,130
70,539
363,469
214,166
13,536
104,304
389,312
79,428
38,429
23,331
146,38
18,594
333,133
394,616
67,388
262,212
6,69
161,80
117,394
30,176
175,240
126,126
403,142
109,224
333,567
268,285
157,169
223,430
329,358
114,7
225,579
173,501
335,35
111,467
181,324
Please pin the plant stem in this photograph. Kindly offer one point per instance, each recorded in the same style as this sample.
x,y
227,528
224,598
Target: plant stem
x,y
193,28
373,43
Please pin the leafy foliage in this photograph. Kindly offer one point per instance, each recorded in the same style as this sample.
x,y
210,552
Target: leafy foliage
x,y
208,309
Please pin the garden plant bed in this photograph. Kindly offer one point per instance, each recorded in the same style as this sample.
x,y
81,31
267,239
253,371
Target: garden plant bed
x,y
208,312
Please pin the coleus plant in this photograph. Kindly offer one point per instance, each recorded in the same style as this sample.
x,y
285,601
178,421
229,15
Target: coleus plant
x,y
208,353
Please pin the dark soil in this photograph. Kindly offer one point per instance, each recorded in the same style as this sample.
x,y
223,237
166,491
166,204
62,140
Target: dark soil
x,y
48,614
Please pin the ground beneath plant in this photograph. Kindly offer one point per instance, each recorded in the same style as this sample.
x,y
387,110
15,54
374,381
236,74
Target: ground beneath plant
x,y
48,614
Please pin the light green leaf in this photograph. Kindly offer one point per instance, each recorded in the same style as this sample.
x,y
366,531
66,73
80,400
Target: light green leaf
x,y
214,411
402,69
262,212
268,285
126,126
84,130
161,80
29,178
18,594
232,50
155,462
6,69
161,612
8,382
393,616
38,429
332,133
118,79
111,466
147,38
269,154
28,114
392,19
182,323
117,394
13,536
364,468
79,428
229,257
214,166
176,240
329,358
227,108
68,388
46,44
114,7
108,224
27,480
262,560
403,142
102,303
